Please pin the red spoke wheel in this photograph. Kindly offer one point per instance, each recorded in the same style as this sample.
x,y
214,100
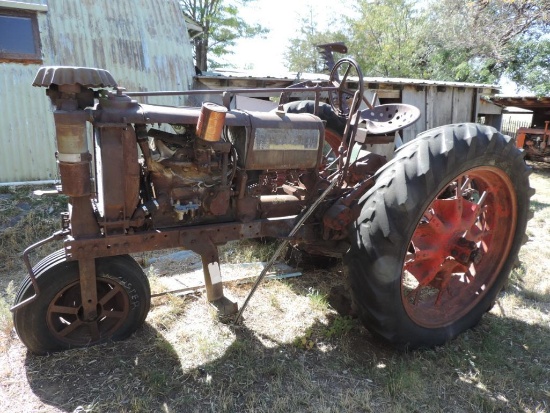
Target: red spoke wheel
x,y
438,234
55,320
459,247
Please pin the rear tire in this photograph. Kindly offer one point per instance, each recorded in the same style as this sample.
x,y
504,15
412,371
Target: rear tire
x,y
438,234
53,321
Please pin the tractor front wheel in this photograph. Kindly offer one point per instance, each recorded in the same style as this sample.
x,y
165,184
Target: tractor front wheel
x,y
55,322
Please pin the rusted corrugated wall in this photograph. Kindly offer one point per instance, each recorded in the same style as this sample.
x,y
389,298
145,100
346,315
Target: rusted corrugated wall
x,y
143,43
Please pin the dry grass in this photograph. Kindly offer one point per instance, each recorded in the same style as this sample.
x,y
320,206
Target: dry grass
x,y
294,353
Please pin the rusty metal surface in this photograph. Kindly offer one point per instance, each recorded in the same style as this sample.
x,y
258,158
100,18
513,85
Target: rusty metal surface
x,y
211,122
284,141
118,177
70,75
150,114
535,142
191,238
188,182
83,220
75,178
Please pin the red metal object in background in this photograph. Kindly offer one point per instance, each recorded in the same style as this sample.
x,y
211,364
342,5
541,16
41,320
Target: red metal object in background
x,y
535,142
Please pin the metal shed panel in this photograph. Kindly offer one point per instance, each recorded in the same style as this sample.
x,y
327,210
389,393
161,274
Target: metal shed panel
x,y
41,5
143,43
26,127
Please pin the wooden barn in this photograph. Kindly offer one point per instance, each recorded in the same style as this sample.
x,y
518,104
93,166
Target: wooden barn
x,y
440,103
143,43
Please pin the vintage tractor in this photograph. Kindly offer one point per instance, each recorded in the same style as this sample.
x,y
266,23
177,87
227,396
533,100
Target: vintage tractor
x,y
428,237
535,142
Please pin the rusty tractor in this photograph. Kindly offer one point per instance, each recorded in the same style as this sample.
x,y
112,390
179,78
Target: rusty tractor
x,y
535,142
428,238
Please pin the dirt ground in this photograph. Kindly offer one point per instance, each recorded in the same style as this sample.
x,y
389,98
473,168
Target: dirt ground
x,y
293,353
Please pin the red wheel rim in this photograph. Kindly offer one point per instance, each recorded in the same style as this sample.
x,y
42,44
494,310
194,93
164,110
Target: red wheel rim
x,y
64,317
330,150
459,247
333,140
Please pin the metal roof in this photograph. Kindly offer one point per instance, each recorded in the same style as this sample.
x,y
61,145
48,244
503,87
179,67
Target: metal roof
x,y
427,82
231,77
523,102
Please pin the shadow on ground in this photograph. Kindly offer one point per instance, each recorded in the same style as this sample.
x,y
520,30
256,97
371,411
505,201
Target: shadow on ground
x,y
501,365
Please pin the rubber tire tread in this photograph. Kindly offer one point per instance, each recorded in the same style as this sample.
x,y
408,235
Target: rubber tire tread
x,y
404,188
53,273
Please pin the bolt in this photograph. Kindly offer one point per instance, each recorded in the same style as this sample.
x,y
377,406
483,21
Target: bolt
x,y
476,256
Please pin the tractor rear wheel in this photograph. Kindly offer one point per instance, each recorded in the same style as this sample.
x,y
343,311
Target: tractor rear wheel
x,y
54,322
438,234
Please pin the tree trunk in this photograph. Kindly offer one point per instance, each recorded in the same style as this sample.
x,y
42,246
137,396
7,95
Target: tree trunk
x,y
201,49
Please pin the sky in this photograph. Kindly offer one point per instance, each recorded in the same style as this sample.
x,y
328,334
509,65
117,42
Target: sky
x,y
282,18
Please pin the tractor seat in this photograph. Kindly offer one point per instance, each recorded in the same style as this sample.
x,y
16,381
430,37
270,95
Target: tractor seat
x,y
384,119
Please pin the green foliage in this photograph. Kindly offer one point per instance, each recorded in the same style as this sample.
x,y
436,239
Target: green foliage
x,y
302,55
318,300
478,41
340,326
454,40
305,342
384,38
222,26
531,66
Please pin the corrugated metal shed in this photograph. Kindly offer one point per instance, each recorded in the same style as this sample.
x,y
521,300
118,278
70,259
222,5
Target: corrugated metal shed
x,y
143,43
41,5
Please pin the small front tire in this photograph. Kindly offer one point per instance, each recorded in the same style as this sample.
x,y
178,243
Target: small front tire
x,y
54,322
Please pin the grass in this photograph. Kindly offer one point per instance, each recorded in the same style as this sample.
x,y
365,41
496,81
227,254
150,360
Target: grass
x,y
293,353
24,219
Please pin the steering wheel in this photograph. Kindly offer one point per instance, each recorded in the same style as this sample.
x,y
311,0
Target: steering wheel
x,y
347,77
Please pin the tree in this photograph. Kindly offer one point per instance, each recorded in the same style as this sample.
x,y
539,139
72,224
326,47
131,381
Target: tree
x,y
221,25
302,55
480,40
530,68
455,40
384,37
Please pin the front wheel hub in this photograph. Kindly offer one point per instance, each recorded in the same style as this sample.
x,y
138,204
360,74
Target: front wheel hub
x,y
466,252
